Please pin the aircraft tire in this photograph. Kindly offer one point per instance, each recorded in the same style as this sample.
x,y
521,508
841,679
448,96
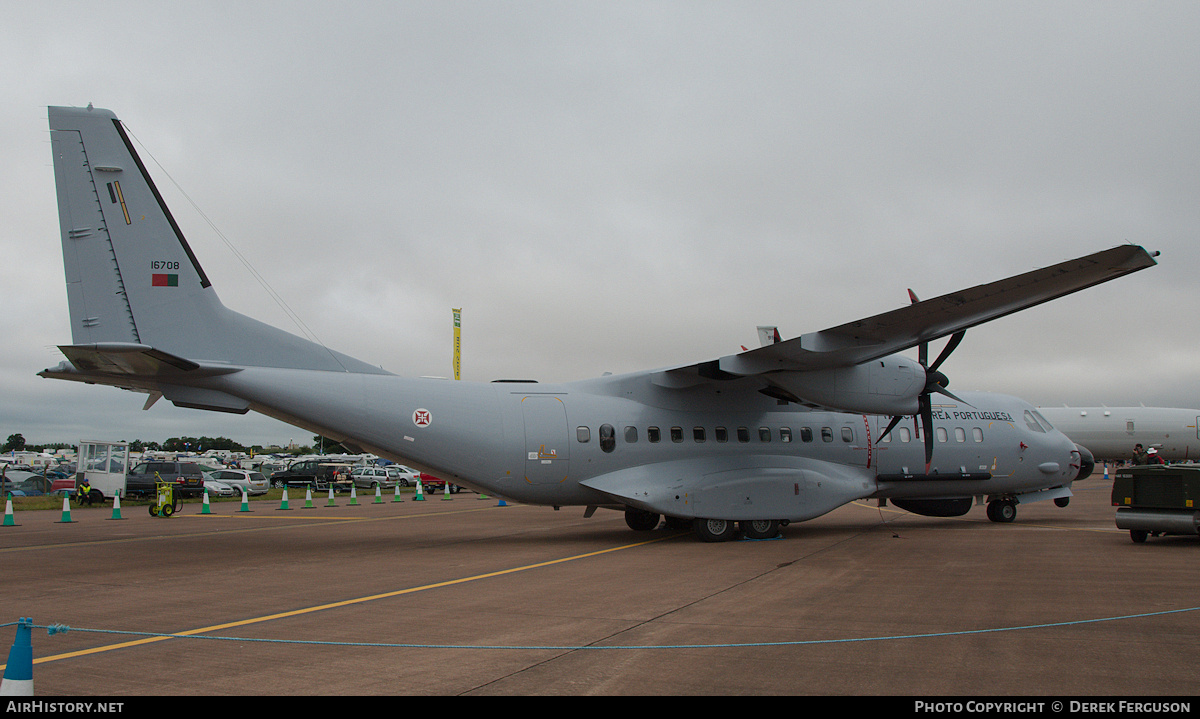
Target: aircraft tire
x,y
714,530
1062,501
759,528
1002,511
639,520
1138,535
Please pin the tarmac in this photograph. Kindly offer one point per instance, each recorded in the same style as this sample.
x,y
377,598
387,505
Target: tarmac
x,y
467,597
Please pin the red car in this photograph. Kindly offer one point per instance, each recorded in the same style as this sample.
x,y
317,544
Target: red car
x,y
432,484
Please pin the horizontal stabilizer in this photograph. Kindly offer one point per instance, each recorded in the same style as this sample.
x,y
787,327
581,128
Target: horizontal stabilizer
x,y
121,358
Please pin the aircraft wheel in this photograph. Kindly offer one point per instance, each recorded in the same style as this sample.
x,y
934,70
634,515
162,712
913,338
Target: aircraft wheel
x,y
1062,501
713,530
1002,510
1138,535
639,520
760,528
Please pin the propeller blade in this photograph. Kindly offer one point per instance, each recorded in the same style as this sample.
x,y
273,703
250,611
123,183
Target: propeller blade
x,y
954,340
895,421
951,395
927,429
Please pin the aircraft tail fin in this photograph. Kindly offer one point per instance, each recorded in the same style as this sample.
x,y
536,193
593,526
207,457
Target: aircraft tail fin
x,y
132,278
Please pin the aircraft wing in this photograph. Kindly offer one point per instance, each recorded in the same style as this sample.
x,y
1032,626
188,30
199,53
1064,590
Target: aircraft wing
x,y
867,339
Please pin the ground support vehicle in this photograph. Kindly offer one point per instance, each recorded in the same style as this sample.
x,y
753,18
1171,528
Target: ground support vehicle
x,y
1154,500
166,500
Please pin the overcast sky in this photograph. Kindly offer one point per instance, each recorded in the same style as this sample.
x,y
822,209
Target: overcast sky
x,y
615,186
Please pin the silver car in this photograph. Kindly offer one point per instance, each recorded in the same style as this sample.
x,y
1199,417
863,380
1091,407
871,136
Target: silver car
x,y
239,479
382,477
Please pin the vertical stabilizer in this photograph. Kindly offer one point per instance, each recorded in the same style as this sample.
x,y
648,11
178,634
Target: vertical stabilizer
x,y
131,276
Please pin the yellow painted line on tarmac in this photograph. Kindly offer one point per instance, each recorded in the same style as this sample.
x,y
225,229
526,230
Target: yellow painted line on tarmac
x,y
345,603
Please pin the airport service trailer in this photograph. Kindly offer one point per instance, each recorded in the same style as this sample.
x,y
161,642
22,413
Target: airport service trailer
x,y
104,465
1157,499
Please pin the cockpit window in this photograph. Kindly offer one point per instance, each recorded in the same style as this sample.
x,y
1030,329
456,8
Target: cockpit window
x,y
1043,421
1032,423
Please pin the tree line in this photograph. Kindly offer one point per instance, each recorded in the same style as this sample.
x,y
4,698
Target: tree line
x,y
16,442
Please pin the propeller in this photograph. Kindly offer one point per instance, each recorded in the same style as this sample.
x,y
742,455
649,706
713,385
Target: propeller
x,y
935,381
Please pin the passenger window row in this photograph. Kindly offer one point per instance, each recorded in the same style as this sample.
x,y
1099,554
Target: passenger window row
x,y
608,435
960,435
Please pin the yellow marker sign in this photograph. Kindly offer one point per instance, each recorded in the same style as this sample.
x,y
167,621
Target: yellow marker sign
x,y
457,342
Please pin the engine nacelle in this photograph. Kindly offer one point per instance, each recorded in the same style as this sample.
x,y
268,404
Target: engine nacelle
x,y
888,386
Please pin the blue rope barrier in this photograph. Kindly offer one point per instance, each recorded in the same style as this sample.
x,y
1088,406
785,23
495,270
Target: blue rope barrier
x,y
62,629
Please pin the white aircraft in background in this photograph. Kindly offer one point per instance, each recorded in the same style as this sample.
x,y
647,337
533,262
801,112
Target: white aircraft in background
x,y
1111,432
781,433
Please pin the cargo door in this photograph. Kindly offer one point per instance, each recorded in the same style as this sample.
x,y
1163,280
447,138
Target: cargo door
x,y
547,449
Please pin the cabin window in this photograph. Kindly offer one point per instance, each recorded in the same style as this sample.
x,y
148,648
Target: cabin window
x,y
608,437
960,434
905,435
631,435
721,434
827,434
654,434
743,434
847,434
677,434
806,434
977,434
941,434
764,434
785,434
583,434
698,434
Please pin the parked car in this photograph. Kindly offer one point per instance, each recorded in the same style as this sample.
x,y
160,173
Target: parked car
x,y
217,488
13,478
36,486
314,473
430,483
188,479
408,475
383,477
239,479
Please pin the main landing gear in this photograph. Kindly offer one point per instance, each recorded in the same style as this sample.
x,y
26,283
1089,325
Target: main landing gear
x,y
723,530
1002,510
707,530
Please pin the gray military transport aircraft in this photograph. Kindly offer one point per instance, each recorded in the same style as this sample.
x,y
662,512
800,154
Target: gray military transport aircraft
x,y
1111,432
750,441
